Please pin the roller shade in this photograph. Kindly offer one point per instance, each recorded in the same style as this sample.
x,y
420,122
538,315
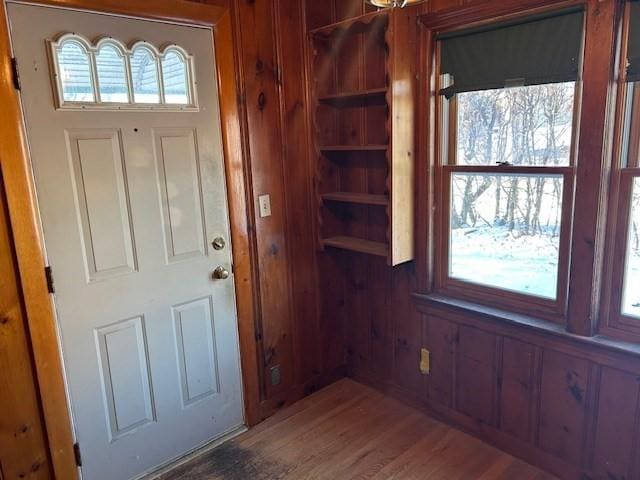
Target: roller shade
x,y
633,49
539,49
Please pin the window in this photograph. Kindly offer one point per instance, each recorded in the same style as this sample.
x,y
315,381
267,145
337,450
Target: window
x,y
144,75
174,75
624,305
112,74
75,71
506,160
631,295
108,75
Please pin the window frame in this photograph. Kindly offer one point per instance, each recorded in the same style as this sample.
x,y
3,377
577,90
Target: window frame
x,y
92,50
614,322
444,166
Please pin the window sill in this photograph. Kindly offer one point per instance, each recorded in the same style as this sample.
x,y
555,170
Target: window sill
x,y
535,325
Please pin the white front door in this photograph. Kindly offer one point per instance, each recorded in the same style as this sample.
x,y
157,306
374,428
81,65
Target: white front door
x,y
130,185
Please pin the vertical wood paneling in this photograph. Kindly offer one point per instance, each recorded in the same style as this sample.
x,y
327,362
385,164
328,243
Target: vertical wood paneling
x,y
563,398
298,192
380,313
23,445
476,377
406,326
260,75
615,432
333,311
441,339
516,388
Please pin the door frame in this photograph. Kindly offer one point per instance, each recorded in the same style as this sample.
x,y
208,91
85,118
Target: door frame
x,y
20,191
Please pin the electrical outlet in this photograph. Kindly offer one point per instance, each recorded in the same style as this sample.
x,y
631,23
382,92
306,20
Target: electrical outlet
x,y
264,201
425,361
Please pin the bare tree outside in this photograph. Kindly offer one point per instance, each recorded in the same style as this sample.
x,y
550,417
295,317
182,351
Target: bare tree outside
x,y
506,227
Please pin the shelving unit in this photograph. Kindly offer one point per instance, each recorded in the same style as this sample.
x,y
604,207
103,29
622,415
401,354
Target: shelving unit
x,y
353,148
362,91
358,245
361,198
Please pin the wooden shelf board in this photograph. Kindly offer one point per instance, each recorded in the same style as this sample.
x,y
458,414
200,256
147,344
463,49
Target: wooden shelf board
x,y
354,244
352,197
353,97
364,20
353,148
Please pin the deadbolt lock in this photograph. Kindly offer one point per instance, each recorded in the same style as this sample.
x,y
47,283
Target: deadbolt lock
x,y
218,243
220,273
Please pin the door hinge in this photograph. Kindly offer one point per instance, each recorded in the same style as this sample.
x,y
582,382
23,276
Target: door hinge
x,y
77,455
15,73
48,273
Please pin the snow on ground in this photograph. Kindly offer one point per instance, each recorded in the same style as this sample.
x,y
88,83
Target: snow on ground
x,y
496,257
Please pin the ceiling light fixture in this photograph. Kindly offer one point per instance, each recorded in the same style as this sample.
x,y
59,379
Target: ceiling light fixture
x,y
392,3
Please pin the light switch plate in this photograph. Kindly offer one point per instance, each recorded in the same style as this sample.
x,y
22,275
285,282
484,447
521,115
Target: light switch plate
x,y
264,201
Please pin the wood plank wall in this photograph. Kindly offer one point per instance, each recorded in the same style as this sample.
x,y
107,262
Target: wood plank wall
x,y
273,90
23,443
565,404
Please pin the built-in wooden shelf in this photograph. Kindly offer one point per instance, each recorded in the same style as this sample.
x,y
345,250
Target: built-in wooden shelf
x,y
358,24
351,98
363,132
354,244
354,148
361,198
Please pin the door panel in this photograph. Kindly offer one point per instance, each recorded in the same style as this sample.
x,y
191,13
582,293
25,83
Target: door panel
x,y
102,199
130,202
182,204
126,384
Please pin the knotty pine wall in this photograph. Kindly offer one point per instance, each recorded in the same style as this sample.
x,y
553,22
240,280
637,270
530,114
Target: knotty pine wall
x,y
23,442
310,353
568,404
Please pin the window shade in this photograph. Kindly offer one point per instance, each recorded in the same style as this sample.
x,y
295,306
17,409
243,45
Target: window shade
x,y
633,49
538,49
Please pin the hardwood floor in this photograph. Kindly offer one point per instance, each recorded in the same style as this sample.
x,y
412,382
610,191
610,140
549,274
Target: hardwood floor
x,y
350,431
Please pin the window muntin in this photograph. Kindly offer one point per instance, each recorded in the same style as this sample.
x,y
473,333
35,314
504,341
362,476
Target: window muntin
x,y
75,73
112,74
631,289
505,231
109,75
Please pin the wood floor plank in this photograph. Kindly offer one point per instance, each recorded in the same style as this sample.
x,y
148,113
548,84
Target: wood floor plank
x,y
352,432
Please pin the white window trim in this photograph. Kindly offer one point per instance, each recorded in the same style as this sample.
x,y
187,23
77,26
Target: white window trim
x,y
92,50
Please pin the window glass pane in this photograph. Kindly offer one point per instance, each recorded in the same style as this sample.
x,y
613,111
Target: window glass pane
x,y
174,76
631,297
522,125
75,73
144,72
112,77
505,231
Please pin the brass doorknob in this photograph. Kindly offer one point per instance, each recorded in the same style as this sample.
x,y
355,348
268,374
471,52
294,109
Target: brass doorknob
x,y
218,243
220,273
